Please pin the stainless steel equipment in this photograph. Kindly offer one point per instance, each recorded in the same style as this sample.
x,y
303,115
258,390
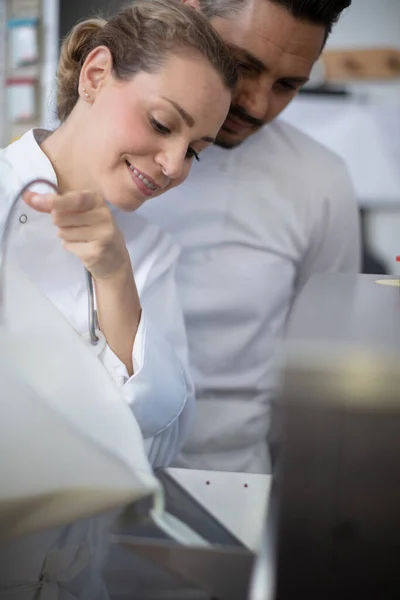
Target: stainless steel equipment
x,y
333,525
333,530
350,310
225,509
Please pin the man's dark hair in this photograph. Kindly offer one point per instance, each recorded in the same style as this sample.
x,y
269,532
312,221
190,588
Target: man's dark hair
x,y
319,12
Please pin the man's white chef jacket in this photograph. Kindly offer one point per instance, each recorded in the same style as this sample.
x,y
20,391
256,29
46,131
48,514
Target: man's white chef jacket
x,y
255,223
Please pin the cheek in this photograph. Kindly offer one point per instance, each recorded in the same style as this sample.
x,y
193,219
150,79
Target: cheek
x,y
185,172
276,104
123,128
187,165
239,91
115,139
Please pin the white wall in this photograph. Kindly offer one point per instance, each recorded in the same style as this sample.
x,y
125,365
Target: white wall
x,y
371,23
366,24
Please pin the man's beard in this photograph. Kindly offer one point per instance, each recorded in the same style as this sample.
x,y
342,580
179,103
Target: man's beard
x,y
226,144
237,111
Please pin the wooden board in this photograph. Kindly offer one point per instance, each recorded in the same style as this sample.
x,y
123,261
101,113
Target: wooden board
x,y
362,64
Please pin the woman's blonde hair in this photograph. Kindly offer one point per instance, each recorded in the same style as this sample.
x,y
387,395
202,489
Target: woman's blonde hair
x,y
140,37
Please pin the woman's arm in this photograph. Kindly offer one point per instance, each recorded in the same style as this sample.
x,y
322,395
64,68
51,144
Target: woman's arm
x,y
161,392
118,312
166,412
150,343
88,230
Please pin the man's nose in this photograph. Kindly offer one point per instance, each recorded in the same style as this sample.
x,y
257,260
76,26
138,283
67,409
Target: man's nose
x,y
253,96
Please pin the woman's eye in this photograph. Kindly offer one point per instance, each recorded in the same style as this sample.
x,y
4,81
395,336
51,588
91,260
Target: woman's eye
x,y
192,153
159,127
163,130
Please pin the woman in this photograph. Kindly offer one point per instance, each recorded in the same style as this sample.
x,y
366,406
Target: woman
x,y
139,97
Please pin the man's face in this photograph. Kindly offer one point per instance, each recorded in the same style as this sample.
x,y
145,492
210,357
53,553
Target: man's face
x,y
276,53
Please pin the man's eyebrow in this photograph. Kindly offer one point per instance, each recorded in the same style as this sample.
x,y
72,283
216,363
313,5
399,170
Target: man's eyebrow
x,y
190,122
242,55
185,115
258,66
300,80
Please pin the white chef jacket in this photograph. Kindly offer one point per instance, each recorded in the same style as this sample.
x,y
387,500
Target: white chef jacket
x,y
160,392
255,223
65,563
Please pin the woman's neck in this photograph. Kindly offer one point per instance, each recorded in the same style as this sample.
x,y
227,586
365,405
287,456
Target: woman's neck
x,y
63,149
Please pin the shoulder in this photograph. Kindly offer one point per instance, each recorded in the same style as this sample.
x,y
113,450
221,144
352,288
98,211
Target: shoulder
x,y
16,148
287,165
151,249
22,162
25,161
10,180
9,165
153,238
283,144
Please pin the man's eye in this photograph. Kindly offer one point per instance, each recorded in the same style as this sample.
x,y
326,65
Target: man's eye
x,y
244,66
285,85
192,153
159,127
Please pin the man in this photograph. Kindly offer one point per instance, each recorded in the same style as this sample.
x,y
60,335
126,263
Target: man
x,y
265,209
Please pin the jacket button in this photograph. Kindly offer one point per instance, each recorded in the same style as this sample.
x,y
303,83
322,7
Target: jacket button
x,y
23,219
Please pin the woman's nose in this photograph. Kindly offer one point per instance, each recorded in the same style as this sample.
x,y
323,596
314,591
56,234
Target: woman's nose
x,y
171,161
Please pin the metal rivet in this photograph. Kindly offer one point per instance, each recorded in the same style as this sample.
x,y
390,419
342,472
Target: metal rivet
x,y
23,219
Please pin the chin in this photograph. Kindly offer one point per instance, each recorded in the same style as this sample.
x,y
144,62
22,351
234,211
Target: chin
x,y
126,203
130,206
228,140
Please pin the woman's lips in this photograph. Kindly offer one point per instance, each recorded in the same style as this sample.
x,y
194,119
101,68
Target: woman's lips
x,y
144,183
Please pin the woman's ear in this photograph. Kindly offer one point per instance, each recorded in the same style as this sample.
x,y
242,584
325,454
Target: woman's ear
x,y
95,71
193,3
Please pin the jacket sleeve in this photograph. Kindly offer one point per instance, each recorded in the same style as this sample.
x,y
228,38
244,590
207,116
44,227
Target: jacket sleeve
x,y
160,392
335,240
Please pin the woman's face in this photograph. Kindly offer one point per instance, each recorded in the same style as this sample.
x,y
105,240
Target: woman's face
x,y
143,135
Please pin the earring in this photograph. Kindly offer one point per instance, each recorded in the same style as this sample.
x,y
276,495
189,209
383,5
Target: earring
x,y
87,95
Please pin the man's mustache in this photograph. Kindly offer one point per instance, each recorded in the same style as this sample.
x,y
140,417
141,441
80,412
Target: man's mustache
x,y
243,115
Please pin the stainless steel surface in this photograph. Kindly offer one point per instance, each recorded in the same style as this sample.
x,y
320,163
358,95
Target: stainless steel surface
x,y
225,509
236,501
221,572
338,483
333,526
262,580
335,500
351,309
92,317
